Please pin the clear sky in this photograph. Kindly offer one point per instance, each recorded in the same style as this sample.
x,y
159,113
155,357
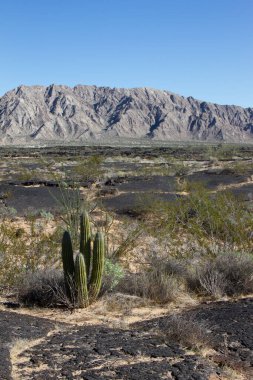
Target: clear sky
x,y
202,48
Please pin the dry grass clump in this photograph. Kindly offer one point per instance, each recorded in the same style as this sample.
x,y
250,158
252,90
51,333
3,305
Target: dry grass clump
x,y
164,280
44,289
228,274
122,303
185,331
161,282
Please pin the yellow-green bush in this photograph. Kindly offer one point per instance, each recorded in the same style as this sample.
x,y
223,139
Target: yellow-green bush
x,y
23,251
201,217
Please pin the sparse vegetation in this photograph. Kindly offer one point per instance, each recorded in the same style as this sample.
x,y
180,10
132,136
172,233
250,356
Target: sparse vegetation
x,y
43,288
113,274
162,281
196,227
209,220
186,331
89,169
229,273
26,250
191,242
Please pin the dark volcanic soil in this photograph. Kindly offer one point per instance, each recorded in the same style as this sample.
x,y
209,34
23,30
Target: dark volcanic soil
x,y
28,199
127,188
15,326
231,323
100,353
132,203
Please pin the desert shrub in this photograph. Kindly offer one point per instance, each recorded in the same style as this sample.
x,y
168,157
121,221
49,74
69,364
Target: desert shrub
x,y
89,169
149,208
239,167
26,175
128,239
227,274
158,287
180,169
160,282
185,331
44,288
113,274
46,215
221,216
172,266
7,212
220,151
202,217
25,250
207,280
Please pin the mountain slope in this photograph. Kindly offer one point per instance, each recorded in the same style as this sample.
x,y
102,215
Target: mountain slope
x,y
89,112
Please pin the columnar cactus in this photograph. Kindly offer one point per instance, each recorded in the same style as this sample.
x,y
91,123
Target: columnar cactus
x,y
81,281
85,240
68,262
86,261
97,265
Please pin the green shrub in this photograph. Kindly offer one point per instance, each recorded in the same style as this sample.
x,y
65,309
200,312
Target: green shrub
x,y
202,217
113,274
89,169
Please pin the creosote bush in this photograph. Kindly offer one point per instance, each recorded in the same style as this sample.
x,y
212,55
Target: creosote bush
x,y
25,250
89,169
201,217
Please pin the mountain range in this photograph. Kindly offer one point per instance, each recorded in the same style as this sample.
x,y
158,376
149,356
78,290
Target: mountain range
x,y
61,113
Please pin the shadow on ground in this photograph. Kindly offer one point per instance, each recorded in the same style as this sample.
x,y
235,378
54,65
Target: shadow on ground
x,y
13,327
101,353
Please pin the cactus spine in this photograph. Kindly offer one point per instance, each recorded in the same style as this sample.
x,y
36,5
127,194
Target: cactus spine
x,y
85,240
81,281
77,273
68,262
97,265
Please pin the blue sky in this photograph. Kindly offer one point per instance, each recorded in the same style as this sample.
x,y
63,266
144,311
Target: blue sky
x,y
202,48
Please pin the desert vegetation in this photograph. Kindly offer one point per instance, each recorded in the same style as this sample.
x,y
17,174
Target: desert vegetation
x,y
196,242
183,237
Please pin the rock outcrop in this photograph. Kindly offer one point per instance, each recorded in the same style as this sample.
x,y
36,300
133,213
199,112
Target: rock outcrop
x,y
61,113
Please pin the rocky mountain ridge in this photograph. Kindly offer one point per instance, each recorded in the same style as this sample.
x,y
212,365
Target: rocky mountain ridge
x,y
60,113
